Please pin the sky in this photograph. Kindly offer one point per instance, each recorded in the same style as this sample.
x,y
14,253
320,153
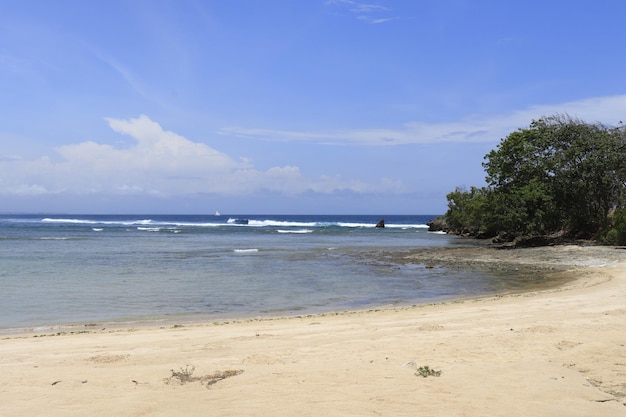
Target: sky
x,y
286,106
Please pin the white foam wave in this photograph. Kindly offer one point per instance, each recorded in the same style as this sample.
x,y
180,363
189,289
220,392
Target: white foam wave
x,y
282,224
97,229
406,226
387,225
73,221
354,225
86,221
190,224
237,222
277,223
245,250
300,231
149,229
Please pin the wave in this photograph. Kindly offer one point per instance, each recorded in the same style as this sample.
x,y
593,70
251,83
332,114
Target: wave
x,y
299,231
245,250
139,222
387,225
238,221
158,229
149,229
232,222
87,221
279,223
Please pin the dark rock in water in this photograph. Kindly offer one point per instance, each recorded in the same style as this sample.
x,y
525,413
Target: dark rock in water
x,y
438,225
380,224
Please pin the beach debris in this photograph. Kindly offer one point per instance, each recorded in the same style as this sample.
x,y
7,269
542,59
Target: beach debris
x,y
218,376
55,382
184,375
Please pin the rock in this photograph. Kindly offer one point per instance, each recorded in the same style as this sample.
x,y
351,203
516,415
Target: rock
x,y
237,221
438,225
380,224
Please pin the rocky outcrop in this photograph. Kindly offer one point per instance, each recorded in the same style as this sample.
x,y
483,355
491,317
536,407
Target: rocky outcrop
x,y
438,225
380,224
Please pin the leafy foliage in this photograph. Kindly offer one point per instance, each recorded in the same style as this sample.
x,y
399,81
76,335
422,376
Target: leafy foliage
x,y
466,210
559,175
616,233
426,371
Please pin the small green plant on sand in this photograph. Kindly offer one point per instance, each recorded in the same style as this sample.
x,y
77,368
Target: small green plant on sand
x,y
426,371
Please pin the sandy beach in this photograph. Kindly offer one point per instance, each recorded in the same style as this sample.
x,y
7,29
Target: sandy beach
x,y
554,352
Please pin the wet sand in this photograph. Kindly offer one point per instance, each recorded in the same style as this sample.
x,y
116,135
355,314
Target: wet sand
x,y
554,352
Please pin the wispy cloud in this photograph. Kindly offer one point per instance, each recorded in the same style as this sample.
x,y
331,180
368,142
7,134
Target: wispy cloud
x,y
372,13
474,128
122,71
374,21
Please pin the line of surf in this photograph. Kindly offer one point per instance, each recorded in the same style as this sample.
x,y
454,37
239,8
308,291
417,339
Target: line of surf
x,y
91,222
249,223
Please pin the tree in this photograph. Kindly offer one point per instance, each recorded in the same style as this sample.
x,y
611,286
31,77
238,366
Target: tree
x,y
558,175
466,210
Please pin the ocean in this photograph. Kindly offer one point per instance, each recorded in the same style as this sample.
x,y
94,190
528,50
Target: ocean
x,y
70,270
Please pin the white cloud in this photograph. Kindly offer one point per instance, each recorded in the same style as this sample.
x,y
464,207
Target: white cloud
x,y
157,163
29,190
475,128
367,8
373,21
366,12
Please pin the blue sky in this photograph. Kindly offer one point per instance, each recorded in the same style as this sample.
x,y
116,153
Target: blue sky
x,y
285,106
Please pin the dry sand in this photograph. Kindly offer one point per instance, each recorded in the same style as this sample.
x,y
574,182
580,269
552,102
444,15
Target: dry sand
x,y
557,352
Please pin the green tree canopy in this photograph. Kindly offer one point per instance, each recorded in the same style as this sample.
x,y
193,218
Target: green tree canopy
x,y
558,175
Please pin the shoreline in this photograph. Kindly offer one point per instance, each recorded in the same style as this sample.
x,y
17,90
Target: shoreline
x,y
555,263
567,279
560,277
550,262
557,281
551,352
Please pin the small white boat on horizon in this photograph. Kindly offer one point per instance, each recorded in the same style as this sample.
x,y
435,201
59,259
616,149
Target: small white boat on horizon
x,y
217,213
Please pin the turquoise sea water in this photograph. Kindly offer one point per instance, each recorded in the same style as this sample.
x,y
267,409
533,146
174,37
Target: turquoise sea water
x,y
72,269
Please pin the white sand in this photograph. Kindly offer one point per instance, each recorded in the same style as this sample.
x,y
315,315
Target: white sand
x,y
551,353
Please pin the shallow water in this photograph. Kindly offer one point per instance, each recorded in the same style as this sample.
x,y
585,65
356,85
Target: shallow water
x,y
79,269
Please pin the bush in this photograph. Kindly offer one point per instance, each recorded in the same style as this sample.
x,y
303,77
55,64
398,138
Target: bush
x,y
616,234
